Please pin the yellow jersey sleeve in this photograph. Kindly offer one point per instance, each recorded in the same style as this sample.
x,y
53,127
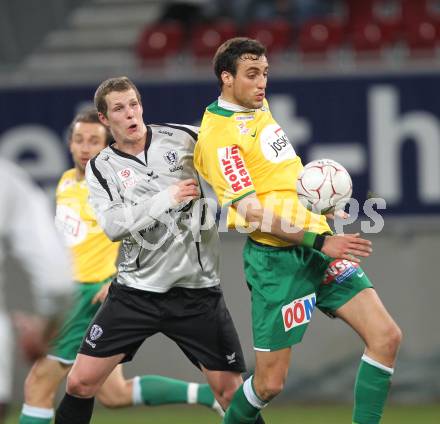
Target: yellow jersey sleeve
x,y
220,161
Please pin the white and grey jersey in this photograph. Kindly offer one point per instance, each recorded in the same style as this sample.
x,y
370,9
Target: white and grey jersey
x,y
27,228
163,245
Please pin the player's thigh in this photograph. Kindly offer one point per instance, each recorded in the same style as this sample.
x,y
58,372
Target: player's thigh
x,y
367,315
341,281
201,325
126,318
43,381
65,346
116,391
284,284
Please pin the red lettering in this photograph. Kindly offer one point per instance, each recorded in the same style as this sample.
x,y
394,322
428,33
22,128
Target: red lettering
x,y
298,312
233,177
236,186
234,150
238,161
288,317
246,181
242,172
227,170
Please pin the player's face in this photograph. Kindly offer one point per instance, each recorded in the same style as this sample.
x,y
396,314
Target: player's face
x,y
88,139
124,116
248,87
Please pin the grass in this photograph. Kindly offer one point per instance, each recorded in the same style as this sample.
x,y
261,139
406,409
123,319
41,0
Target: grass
x,y
296,414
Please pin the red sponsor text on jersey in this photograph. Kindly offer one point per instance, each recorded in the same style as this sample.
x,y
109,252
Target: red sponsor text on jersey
x,y
233,168
339,270
298,312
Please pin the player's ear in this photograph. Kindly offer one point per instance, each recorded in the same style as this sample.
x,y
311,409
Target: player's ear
x,y
103,119
227,78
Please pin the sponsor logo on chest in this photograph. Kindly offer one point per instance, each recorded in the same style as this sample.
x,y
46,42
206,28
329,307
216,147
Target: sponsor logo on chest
x,y
233,169
128,177
244,117
172,158
339,270
69,222
275,145
298,312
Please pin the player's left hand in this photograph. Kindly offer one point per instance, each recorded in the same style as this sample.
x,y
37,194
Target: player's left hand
x,y
101,295
347,246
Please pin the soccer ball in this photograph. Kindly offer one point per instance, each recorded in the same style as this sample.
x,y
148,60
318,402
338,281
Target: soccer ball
x,y
324,186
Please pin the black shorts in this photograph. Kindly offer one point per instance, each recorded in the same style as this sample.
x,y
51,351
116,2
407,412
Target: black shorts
x,y
196,319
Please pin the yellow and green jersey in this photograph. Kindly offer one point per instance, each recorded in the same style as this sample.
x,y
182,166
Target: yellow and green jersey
x,y
93,254
241,151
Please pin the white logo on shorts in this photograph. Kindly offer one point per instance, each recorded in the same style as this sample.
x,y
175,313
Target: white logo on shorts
x,y
231,358
95,332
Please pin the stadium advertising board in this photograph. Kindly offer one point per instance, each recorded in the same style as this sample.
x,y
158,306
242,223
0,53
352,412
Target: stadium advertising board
x,y
384,129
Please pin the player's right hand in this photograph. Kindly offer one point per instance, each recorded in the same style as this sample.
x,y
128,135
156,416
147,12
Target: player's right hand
x,y
101,295
34,334
184,191
347,246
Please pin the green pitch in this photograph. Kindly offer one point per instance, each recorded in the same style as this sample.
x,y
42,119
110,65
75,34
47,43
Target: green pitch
x,y
308,414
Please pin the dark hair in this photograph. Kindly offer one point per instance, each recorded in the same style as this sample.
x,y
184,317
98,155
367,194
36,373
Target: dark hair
x,y
88,116
110,85
230,51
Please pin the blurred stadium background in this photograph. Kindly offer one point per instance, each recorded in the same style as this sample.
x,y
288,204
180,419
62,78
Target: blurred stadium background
x,y
354,80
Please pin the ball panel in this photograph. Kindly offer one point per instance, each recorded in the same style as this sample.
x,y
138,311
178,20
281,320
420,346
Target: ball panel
x,y
324,185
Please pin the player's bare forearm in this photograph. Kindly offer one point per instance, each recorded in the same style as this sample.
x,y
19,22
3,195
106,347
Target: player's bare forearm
x,y
347,246
252,211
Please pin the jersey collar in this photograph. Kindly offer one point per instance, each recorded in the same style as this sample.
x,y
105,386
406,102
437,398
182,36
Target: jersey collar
x,y
232,106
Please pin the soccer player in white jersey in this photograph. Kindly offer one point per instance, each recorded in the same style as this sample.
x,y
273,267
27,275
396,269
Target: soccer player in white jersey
x,y
94,257
142,189
26,226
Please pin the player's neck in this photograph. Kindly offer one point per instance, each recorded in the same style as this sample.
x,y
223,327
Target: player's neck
x,y
79,174
132,147
230,103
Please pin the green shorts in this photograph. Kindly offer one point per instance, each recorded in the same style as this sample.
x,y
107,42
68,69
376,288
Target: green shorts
x,y
286,285
65,346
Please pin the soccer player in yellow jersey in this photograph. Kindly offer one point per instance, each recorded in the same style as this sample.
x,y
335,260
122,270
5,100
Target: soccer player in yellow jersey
x,y
94,257
292,261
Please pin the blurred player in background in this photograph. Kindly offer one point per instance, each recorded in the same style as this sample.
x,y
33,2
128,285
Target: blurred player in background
x,y
246,157
94,257
26,228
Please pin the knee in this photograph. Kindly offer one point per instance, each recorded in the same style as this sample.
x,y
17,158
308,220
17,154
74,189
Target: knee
x,y
228,393
388,340
80,386
40,387
225,392
36,376
269,388
395,337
